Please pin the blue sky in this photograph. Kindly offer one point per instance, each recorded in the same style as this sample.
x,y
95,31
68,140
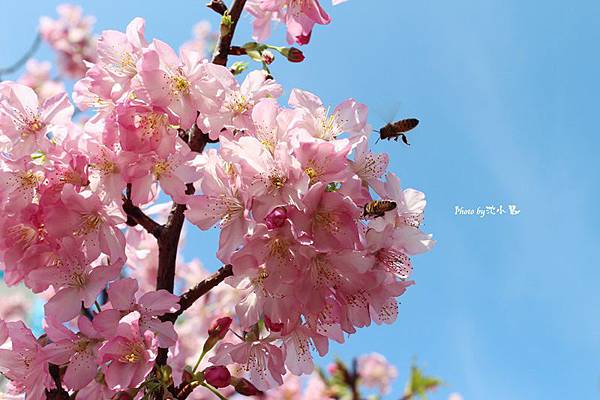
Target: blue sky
x,y
505,307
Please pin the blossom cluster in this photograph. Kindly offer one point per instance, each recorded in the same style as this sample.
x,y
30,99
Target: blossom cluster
x,y
288,185
70,36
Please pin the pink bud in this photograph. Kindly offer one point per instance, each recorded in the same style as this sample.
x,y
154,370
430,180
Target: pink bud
x,y
295,55
219,327
276,218
217,376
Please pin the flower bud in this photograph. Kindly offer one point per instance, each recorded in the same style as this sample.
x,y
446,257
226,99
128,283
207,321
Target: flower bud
x,y
244,387
216,332
276,218
293,54
268,57
238,67
220,327
217,376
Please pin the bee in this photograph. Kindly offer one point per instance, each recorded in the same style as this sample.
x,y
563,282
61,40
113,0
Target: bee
x,y
378,208
398,129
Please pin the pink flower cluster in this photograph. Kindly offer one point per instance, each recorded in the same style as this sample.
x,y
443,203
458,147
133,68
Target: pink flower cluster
x,y
71,37
287,186
289,198
299,16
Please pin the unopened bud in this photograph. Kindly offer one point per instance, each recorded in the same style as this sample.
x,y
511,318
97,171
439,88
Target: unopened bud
x,y
217,376
244,387
216,332
220,327
276,218
293,54
268,57
238,67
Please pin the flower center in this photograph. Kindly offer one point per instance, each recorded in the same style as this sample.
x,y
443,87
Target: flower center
x,y
237,103
134,354
89,223
160,168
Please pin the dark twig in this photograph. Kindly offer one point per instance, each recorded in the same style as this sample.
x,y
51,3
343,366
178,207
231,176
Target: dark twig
x,y
218,6
136,216
21,61
227,31
237,51
187,299
168,241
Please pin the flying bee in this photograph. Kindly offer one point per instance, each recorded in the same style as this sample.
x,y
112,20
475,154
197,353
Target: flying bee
x,y
378,208
398,129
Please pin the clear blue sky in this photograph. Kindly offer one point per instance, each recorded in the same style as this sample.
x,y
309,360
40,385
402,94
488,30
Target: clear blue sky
x,y
504,307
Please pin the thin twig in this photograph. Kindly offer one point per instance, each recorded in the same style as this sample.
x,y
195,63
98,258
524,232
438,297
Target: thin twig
x,y
21,61
187,299
136,216
227,32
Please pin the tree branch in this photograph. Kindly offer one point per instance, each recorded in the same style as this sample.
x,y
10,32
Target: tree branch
x,y
168,240
136,216
187,299
21,61
227,32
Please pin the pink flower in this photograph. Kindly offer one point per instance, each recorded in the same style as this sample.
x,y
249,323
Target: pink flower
x,y
329,218
314,119
273,179
299,16
375,371
128,356
171,83
26,363
368,166
171,167
29,125
79,350
74,279
263,360
406,218
118,54
150,306
92,220
222,202
236,110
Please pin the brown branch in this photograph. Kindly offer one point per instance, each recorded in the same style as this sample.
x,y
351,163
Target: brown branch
x,y
168,240
187,299
24,58
136,216
237,51
218,6
227,32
